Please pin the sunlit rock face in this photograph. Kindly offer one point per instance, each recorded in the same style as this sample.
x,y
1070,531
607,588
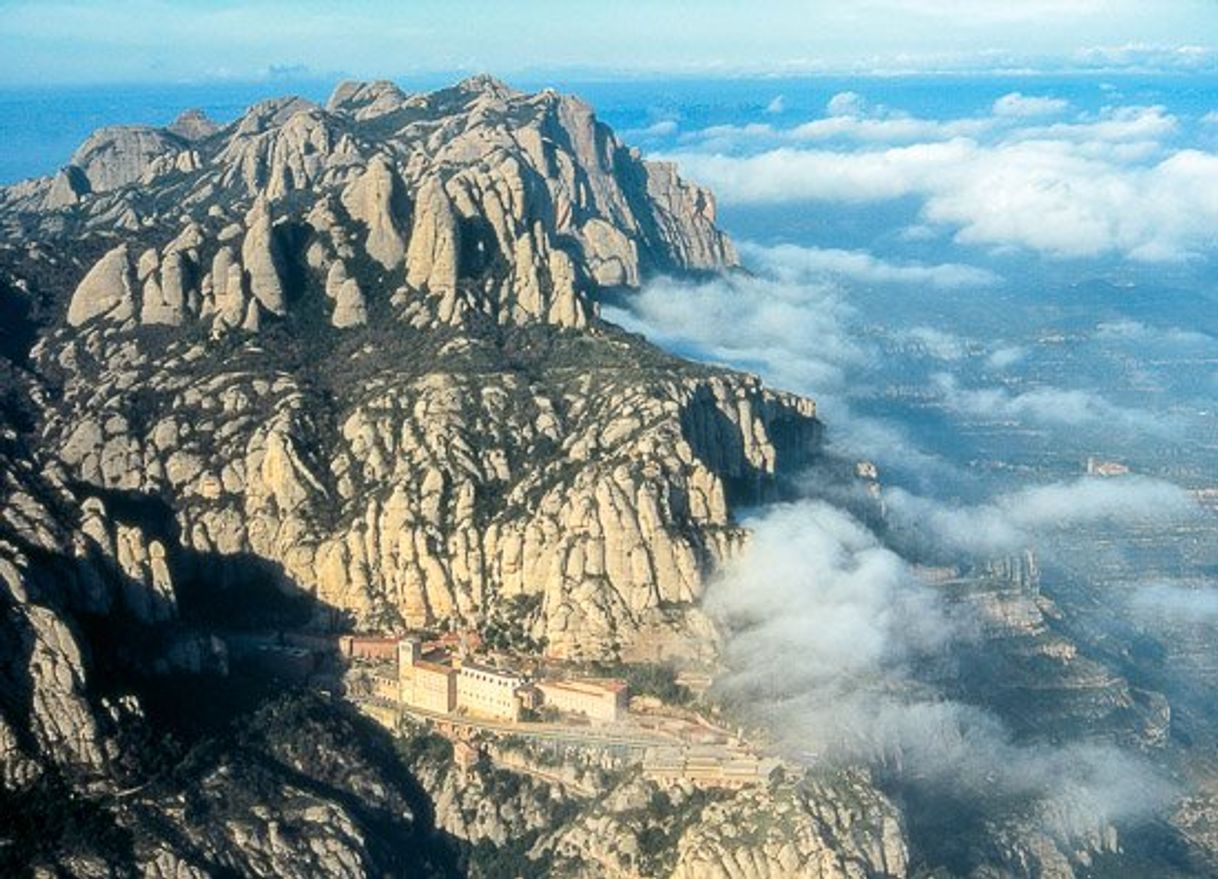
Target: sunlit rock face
x,y
378,362
497,203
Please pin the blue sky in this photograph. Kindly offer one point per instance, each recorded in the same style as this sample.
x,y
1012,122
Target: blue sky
x,y
70,41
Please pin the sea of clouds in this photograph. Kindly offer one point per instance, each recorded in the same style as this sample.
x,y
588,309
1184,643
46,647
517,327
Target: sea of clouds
x,y
1033,173
829,627
828,624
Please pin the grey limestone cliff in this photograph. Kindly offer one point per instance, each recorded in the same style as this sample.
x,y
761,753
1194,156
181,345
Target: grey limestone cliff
x,y
489,437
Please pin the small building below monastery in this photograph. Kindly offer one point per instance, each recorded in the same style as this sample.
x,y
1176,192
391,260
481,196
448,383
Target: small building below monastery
x,y
604,701
368,647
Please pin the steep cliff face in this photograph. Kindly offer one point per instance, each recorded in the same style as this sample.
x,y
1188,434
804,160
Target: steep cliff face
x,y
361,342
49,719
90,783
434,492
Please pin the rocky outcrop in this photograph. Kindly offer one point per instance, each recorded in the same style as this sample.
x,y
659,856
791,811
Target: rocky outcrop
x,y
278,147
681,205
164,299
366,100
260,257
431,262
376,199
808,831
193,125
227,282
78,750
46,670
792,830
576,817
106,291
67,188
435,481
443,493
119,155
350,310
501,204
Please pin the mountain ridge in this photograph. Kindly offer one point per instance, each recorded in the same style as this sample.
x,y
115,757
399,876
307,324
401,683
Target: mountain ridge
x,y
261,371
469,219
342,367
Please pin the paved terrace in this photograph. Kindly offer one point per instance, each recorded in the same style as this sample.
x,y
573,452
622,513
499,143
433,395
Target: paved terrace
x,y
618,736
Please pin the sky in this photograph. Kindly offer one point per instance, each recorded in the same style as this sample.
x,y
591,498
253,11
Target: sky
x,y
52,42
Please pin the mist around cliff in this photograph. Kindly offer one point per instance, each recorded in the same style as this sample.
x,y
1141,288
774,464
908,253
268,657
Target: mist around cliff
x,y
850,337
834,644
980,358
1180,600
829,635
1010,522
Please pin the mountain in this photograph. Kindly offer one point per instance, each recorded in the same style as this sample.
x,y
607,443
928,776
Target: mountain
x,y
361,342
342,367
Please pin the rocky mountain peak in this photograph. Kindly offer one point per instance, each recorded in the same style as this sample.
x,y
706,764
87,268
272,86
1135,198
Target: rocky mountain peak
x,y
366,100
119,155
485,84
193,125
271,113
493,204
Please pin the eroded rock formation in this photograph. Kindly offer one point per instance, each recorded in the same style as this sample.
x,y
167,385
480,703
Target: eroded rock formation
x,y
489,438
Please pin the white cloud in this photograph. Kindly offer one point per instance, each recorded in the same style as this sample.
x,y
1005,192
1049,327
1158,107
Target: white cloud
x,y
1099,184
1113,125
1177,601
1145,57
794,331
1126,330
1014,521
1043,405
886,129
1049,197
837,595
1020,105
848,117
1005,356
1061,197
1116,133
918,232
726,138
936,343
793,262
660,128
825,629
846,104
788,175
800,333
